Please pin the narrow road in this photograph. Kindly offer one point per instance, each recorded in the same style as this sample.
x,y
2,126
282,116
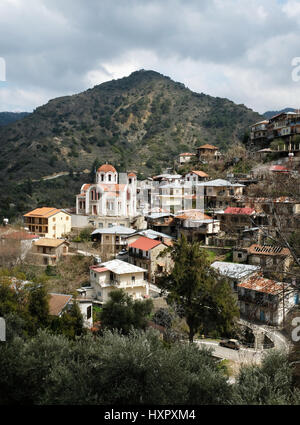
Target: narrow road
x,y
243,355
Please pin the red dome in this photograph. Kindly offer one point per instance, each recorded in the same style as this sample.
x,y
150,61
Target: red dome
x,y
131,175
105,168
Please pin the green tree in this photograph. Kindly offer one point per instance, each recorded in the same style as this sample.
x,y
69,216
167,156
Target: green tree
x,y
123,313
201,296
38,305
268,383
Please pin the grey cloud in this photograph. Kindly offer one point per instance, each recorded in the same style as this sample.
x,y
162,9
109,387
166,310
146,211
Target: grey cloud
x,y
51,45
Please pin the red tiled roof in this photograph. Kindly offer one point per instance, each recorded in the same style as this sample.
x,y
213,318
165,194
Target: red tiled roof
x,y
260,284
42,212
200,173
105,168
207,146
187,154
144,243
57,303
239,211
131,175
279,168
100,269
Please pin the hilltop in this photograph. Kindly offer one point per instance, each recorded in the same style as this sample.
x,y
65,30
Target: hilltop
x,y
140,123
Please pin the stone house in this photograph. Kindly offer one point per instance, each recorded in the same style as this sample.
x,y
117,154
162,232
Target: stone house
x,y
145,252
269,257
196,226
46,251
265,300
236,273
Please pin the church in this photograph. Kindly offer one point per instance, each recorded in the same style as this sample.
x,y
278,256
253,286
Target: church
x,y
112,194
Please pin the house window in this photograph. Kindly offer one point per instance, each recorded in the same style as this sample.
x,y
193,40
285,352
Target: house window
x,y
109,177
132,279
89,312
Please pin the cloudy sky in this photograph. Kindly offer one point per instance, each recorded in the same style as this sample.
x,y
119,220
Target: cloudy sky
x,y
239,49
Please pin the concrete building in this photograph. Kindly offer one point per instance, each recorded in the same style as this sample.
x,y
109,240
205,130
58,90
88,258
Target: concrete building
x,y
219,193
48,222
111,240
196,176
117,274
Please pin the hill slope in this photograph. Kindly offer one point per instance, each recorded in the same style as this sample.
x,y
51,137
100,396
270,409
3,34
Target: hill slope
x,y
139,122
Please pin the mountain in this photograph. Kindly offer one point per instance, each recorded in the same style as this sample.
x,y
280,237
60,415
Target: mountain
x,y
10,117
270,114
140,123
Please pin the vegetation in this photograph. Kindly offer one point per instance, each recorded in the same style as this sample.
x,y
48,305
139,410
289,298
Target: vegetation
x,y
197,291
137,122
130,370
121,312
27,308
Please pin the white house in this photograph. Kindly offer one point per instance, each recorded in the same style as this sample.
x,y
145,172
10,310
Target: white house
x,y
117,274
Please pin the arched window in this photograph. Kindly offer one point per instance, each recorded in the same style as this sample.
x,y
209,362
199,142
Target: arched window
x,y
102,177
109,177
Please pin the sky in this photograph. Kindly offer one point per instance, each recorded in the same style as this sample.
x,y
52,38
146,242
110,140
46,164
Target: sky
x,y
243,50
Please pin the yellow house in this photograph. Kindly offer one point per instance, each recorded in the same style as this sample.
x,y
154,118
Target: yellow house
x,y
48,222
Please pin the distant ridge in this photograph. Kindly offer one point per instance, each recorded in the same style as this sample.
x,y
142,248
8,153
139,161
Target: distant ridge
x,y
270,114
10,117
139,122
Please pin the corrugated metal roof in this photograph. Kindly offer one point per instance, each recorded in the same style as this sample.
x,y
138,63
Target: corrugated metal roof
x,y
120,230
234,270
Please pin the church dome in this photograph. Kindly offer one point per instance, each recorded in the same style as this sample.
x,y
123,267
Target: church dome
x,y
106,168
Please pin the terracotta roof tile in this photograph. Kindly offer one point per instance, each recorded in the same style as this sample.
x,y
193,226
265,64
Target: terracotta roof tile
x,y
57,303
239,211
144,243
105,168
207,146
42,212
261,284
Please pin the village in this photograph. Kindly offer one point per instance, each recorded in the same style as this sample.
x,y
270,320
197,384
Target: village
x,y
127,224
